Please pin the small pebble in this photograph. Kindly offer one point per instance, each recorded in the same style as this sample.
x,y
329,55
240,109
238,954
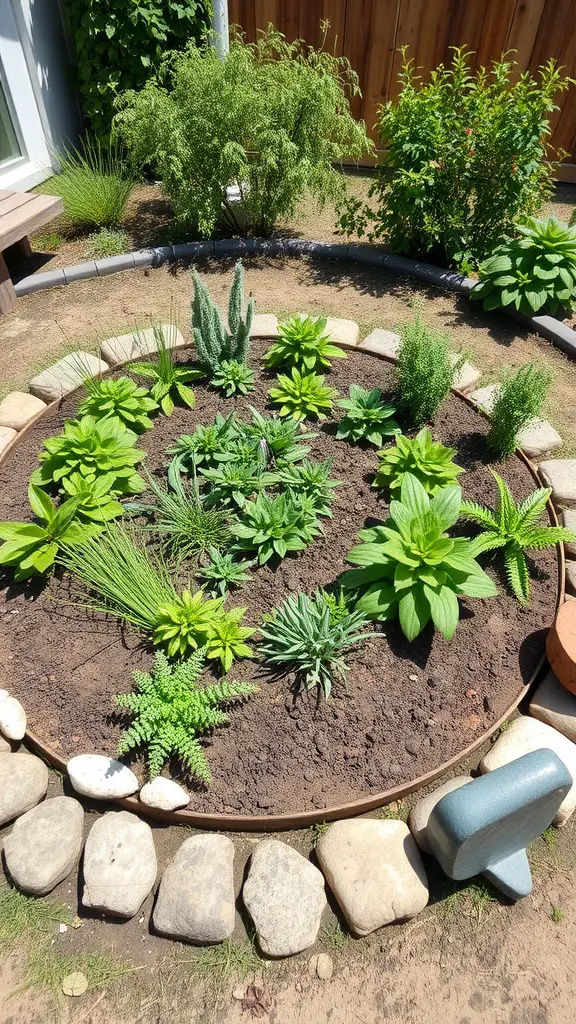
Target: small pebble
x,y
412,746
413,678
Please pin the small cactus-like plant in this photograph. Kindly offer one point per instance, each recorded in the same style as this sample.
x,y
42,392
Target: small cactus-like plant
x,y
215,345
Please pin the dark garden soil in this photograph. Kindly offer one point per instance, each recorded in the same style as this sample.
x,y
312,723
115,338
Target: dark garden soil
x,y
407,707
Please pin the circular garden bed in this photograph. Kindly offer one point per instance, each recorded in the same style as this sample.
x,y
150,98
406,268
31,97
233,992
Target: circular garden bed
x,y
408,707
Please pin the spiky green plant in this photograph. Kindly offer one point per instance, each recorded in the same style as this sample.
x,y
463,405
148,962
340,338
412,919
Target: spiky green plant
x,y
183,520
303,343
171,711
312,479
302,636
119,397
224,572
94,184
281,437
515,528
429,461
31,548
275,526
520,399
96,497
170,381
213,342
231,483
185,622
233,378
303,396
424,371
227,638
207,446
92,448
368,417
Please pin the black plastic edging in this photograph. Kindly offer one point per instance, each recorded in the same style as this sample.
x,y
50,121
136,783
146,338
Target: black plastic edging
x,y
562,336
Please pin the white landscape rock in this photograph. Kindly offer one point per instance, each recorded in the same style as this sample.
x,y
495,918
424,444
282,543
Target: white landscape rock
x,y
18,408
375,871
285,896
119,864
101,777
44,845
538,438
140,343
65,375
524,735
196,896
343,332
466,376
553,704
560,475
264,325
164,794
7,435
420,813
381,343
485,397
12,718
23,783
568,519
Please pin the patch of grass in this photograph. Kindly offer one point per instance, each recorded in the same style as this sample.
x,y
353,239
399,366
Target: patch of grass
x,y
47,241
557,915
471,900
106,242
334,937
316,831
23,916
398,810
550,837
47,968
229,961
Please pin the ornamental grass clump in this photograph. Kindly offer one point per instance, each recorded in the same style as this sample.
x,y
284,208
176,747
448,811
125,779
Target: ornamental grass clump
x,y
31,548
303,396
171,710
183,521
170,382
303,343
368,417
515,527
304,636
119,397
429,461
412,568
424,371
93,448
520,398
94,184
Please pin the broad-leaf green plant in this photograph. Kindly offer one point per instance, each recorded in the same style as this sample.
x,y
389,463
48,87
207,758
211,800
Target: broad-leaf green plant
x,y
171,710
191,621
520,398
227,639
281,438
170,382
303,396
411,568
303,343
312,479
118,397
97,502
232,483
368,417
92,448
233,378
31,548
207,446
431,462
515,527
275,525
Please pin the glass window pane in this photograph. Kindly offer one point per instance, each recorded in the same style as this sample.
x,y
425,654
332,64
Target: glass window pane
x,y
9,147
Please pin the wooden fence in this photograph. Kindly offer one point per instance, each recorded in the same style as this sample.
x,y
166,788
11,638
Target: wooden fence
x,y
369,33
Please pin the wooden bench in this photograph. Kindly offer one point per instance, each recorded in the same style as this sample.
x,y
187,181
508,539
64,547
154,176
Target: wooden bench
x,y
21,213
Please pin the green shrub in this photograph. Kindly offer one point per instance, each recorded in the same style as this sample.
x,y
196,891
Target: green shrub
x,y
184,523
520,398
233,378
515,528
170,711
534,272
275,526
464,155
368,416
214,343
31,548
303,343
184,623
94,185
411,568
424,371
170,381
207,446
428,460
223,572
273,117
227,638
96,498
119,397
302,396
93,448
120,45
313,480
303,636
106,242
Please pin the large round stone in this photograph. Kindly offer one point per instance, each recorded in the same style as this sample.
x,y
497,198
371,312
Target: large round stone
x,y
101,777
45,844
12,719
23,782
196,895
285,896
164,794
119,864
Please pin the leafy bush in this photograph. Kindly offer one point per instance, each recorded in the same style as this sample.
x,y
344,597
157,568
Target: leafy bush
x,y
464,156
93,184
92,448
214,343
424,371
410,567
170,381
533,272
120,46
171,711
32,547
312,479
303,396
272,117
106,242
185,623
227,638
368,416
304,637
515,528
428,460
207,446
233,378
234,482
96,498
303,343
520,398
183,520
223,572
275,526
119,397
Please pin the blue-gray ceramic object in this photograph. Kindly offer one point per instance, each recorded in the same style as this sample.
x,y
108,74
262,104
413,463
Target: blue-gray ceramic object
x,y
484,827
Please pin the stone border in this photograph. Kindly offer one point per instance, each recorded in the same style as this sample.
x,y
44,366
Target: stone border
x,y
381,345
562,336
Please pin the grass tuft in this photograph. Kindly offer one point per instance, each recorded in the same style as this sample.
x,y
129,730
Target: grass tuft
x,y
47,968
316,831
24,916
229,961
334,937
106,242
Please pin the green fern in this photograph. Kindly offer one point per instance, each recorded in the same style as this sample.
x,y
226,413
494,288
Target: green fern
x,y
515,528
171,711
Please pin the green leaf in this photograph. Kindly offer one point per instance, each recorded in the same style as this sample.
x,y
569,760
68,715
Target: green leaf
x,y
40,503
413,495
444,608
446,506
414,612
